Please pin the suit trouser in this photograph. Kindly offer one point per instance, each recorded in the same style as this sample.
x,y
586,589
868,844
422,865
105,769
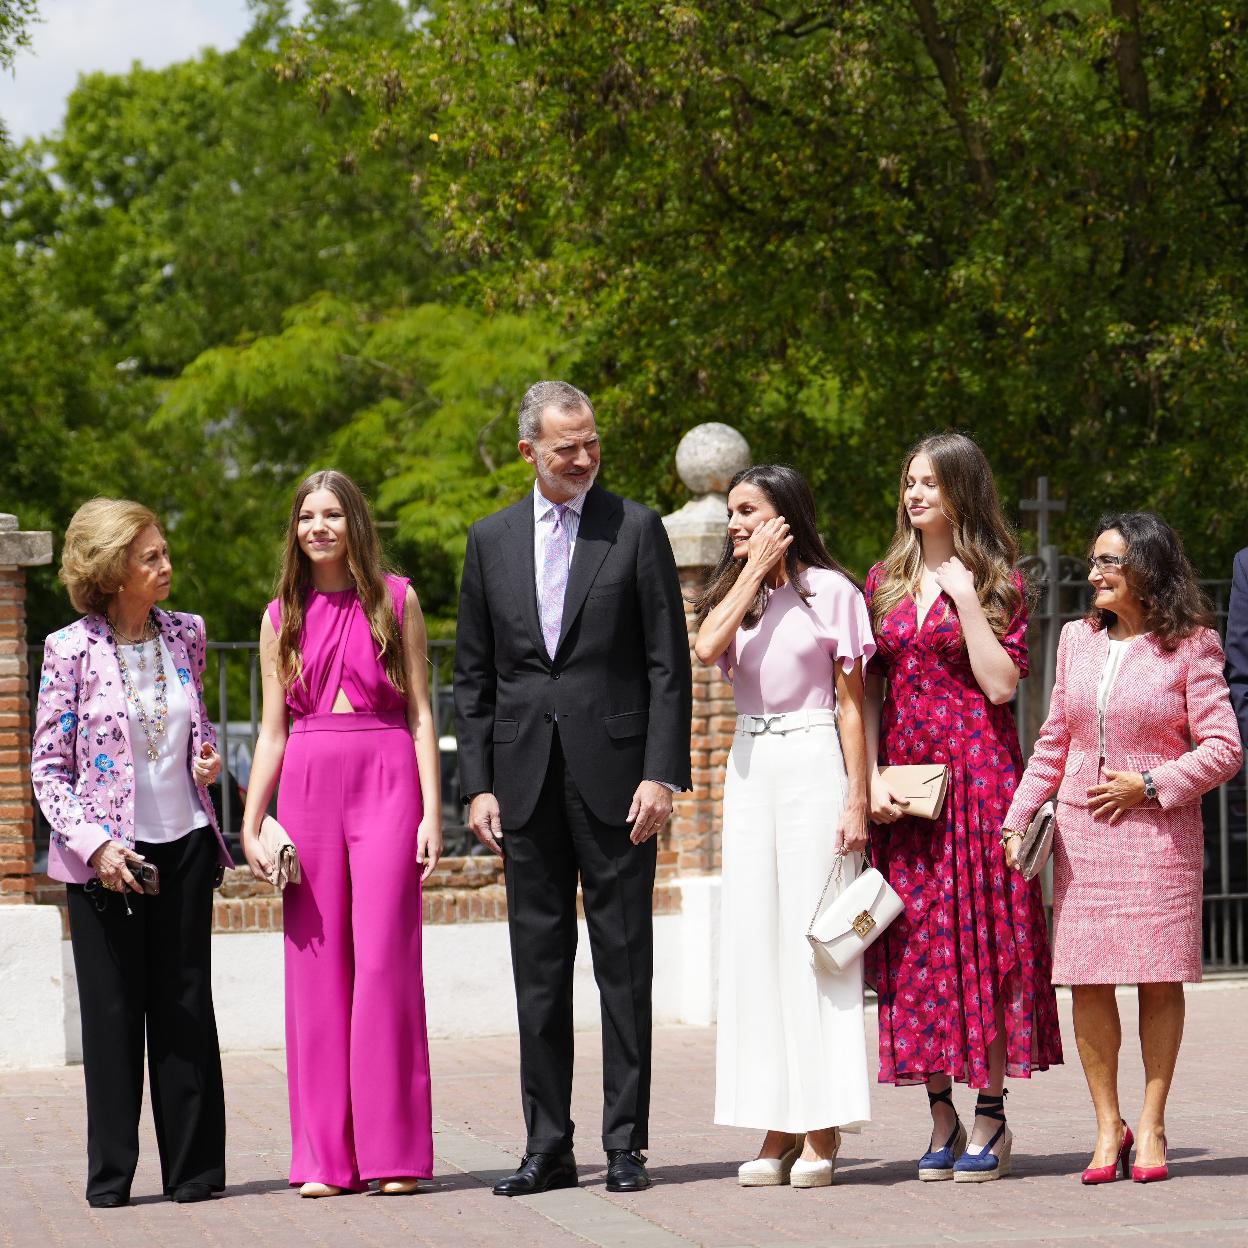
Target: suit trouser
x,y
542,860
151,969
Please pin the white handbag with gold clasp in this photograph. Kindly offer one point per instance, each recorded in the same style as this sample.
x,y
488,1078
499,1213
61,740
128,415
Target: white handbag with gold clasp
x,y
842,930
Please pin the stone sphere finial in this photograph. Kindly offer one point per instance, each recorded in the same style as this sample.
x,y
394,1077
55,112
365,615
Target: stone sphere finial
x,y
709,456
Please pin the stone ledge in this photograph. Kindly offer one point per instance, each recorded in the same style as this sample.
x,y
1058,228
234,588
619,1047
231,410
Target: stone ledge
x,y
471,872
481,903
25,550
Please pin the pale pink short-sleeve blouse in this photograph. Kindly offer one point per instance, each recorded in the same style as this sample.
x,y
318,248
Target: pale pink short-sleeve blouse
x,y
787,661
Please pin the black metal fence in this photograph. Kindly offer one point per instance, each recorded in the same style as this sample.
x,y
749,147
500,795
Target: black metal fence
x,y
233,680
232,691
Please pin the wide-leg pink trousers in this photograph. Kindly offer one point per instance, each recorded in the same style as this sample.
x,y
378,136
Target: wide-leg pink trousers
x,y
357,1051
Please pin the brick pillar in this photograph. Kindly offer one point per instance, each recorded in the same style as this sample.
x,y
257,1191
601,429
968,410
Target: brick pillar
x,y
18,551
693,837
707,458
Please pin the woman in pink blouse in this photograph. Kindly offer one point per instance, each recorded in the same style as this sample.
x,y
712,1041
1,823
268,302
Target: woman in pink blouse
x,y
789,628
963,974
1140,726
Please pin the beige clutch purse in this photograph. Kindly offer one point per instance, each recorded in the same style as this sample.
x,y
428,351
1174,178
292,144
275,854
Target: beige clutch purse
x,y
923,785
1036,844
280,850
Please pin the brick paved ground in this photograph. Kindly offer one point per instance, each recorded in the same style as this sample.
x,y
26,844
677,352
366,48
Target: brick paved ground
x,y
695,1200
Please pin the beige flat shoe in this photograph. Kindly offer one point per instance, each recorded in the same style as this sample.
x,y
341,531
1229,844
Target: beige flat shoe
x,y
314,1191
398,1187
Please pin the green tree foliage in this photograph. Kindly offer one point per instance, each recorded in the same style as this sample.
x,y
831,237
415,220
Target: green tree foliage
x,y
192,205
178,211
15,19
835,226
840,226
416,402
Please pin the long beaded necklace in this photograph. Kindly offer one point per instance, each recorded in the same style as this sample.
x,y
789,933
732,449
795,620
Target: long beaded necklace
x,y
155,724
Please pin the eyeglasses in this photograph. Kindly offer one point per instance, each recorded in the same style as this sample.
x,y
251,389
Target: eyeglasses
x,y
1106,563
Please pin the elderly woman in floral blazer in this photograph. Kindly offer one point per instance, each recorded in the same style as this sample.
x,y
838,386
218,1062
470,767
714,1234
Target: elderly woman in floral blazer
x,y
122,753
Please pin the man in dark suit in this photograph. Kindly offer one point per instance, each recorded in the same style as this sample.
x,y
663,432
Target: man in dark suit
x,y
573,703
1237,642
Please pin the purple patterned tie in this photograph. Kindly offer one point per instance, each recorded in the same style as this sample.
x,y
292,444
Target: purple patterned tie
x,y
554,580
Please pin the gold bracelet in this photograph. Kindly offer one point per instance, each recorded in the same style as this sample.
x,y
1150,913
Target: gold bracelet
x,y
1008,836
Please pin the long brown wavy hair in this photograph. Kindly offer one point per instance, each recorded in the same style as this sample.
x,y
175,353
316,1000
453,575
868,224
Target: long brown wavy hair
x,y
789,493
1159,573
365,566
981,538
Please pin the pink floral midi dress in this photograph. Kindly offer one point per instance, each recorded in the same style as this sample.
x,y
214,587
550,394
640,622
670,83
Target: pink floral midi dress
x,y
973,933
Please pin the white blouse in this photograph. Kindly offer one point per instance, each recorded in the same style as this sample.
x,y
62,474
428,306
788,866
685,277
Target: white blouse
x,y
166,802
1113,662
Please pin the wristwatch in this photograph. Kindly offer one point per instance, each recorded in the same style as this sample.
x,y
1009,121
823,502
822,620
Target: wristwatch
x,y
1150,789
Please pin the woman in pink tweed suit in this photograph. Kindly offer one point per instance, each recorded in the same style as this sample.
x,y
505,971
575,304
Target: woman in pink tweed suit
x,y
1140,726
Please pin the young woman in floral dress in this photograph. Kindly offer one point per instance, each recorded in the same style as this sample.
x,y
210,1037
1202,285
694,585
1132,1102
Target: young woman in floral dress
x,y
963,975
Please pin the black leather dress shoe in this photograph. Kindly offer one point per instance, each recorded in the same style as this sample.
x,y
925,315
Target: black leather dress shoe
x,y
539,1172
107,1200
626,1171
189,1193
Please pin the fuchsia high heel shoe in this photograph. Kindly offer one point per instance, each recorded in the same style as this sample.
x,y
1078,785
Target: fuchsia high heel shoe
x,y
1153,1174
1107,1174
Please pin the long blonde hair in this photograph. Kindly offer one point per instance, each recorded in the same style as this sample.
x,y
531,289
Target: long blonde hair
x,y
981,538
364,566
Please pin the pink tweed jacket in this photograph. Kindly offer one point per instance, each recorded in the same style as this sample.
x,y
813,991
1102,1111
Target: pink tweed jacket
x,y
1167,713
82,765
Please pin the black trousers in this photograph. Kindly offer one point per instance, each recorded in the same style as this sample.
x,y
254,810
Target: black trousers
x,y
542,861
150,970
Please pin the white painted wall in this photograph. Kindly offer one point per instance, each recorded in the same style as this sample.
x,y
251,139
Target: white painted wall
x,y
32,988
468,985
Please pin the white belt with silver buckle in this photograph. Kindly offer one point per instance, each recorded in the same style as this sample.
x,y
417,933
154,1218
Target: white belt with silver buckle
x,y
784,722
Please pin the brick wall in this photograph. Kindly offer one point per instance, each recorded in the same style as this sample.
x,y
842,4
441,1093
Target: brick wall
x,y
463,890
691,844
16,801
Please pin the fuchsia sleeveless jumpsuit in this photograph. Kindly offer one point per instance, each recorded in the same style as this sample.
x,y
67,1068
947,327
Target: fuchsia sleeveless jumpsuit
x,y
356,1048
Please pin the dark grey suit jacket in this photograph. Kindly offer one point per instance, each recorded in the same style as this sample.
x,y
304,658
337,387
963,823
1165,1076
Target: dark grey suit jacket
x,y
620,682
1237,643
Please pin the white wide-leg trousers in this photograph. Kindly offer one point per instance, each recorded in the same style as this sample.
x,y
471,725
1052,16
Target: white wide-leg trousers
x,y
791,1050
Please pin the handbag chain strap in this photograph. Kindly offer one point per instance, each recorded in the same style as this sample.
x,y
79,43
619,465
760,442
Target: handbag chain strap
x,y
838,869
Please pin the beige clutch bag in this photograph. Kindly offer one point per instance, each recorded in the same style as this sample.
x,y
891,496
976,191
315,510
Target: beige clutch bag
x,y
1036,844
923,785
280,850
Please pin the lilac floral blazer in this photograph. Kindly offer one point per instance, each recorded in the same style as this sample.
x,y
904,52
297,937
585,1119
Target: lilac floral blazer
x,y
82,765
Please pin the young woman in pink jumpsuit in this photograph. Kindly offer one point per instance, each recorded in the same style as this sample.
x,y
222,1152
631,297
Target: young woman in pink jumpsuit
x,y
348,726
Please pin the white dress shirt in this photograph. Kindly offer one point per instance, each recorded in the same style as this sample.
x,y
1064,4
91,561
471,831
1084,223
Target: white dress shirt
x,y
543,527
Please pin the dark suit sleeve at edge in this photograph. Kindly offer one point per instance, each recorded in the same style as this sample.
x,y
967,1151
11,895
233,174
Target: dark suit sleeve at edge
x,y
476,687
1237,642
667,657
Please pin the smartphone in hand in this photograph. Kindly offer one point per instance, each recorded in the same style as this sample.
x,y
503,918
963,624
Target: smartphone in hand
x,y
146,876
